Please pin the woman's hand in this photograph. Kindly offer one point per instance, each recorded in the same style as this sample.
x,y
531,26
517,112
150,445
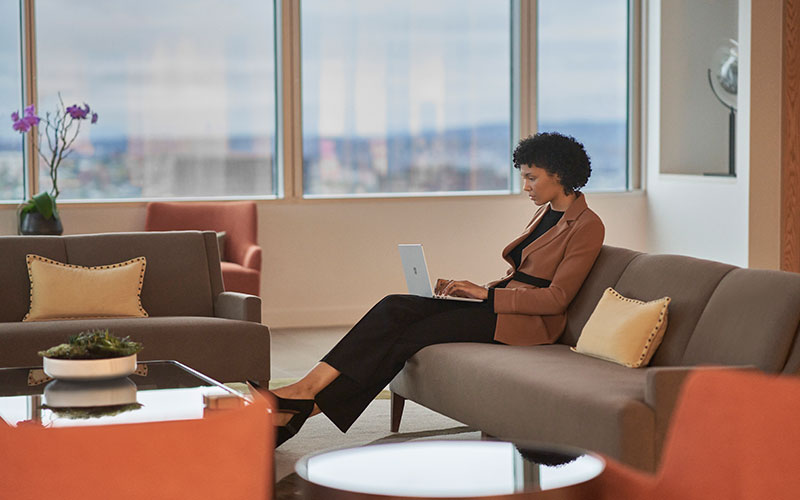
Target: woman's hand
x,y
460,289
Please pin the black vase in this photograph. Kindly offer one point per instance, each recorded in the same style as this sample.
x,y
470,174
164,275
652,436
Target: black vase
x,y
35,223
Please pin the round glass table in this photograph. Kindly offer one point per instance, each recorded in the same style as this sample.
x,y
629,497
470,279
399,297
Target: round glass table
x,y
447,469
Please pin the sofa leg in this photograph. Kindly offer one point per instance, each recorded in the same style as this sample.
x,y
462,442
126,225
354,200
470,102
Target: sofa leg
x,y
398,402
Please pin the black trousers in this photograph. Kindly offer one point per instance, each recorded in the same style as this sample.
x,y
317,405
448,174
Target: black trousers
x,y
377,347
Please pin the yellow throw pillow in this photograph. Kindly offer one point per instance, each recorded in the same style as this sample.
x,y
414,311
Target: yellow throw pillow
x,y
66,291
623,330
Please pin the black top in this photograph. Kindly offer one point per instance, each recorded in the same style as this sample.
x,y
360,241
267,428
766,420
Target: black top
x,y
549,220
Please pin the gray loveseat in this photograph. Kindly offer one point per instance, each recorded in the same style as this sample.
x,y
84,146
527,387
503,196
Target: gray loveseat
x,y
719,315
192,320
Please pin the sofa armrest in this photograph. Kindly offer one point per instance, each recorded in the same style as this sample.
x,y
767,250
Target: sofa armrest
x,y
252,258
662,390
235,305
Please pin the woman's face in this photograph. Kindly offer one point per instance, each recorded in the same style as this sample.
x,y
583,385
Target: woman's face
x,y
541,185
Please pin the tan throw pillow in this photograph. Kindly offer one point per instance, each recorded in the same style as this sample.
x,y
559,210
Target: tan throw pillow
x,y
66,291
623,330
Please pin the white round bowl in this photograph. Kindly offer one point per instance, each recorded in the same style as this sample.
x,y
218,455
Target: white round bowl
x,y
72,394
90,369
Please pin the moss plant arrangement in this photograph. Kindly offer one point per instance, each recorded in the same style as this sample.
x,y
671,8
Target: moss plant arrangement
x,y
92,411
93,344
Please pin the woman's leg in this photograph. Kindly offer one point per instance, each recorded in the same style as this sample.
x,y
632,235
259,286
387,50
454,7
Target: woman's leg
x,y
346,397
363,352
366,342
312,382
306,388
359,353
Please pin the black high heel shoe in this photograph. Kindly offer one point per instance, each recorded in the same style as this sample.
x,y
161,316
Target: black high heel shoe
x,y
301,409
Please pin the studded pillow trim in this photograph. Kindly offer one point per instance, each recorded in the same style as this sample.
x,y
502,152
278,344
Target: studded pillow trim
x,y
68,291
624,330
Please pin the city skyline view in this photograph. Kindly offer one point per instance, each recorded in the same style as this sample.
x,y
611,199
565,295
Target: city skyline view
x,y
409,97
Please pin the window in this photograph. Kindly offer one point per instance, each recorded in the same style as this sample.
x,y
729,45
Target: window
x,y
582,49
12,171
405,96
398,97
185,92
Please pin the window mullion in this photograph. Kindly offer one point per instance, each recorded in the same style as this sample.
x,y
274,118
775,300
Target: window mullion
x,y
635,93
523,43
289,95
528,68
29,94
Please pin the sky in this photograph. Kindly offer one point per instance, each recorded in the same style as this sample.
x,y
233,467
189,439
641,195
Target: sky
x,y
206,67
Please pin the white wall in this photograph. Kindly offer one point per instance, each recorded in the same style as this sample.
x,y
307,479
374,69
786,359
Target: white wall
x,y
694,125
710,217
326,263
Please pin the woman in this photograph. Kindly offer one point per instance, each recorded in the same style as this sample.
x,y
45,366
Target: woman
x,y
549,262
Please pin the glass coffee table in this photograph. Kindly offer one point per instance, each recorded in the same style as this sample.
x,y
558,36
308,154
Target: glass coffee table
x,y
448,469
158,391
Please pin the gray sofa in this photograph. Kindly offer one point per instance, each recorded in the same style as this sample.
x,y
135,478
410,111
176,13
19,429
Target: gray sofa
x,y
192,320
720,315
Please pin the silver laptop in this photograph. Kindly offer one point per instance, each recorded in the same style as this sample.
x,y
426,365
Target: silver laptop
x,y
416,271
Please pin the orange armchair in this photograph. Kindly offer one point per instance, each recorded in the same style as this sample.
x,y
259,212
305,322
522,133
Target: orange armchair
x,y
241,269
227,455
734,435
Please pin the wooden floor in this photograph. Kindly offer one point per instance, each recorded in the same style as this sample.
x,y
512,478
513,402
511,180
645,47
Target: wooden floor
x,y
297,350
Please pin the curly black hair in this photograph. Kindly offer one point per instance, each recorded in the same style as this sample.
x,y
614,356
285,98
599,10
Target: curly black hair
x,y
559,154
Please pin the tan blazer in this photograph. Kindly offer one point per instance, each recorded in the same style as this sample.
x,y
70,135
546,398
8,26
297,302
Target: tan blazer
x,y
527,314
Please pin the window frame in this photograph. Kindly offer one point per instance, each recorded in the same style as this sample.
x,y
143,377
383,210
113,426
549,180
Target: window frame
x,y
30,150
23,61
288,153
30,158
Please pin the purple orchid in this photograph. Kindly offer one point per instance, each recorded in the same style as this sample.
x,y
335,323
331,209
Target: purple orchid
x,y
57,127
21,126
77,113
25,123
30,116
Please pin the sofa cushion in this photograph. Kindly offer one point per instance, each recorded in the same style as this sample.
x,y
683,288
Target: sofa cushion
x,y
220,348
14,284
688,281
178,282
751,318
543,393
607,269
67,291
624,330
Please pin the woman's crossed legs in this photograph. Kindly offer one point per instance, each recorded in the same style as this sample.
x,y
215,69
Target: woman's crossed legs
x,y
349,377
